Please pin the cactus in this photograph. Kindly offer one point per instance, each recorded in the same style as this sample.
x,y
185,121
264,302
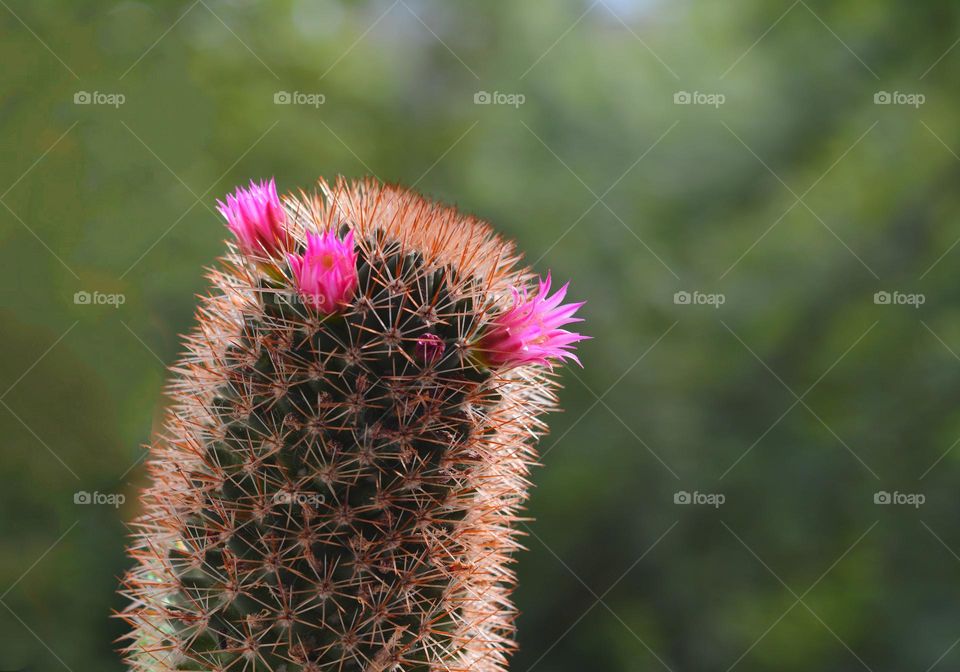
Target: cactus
x,y
340,474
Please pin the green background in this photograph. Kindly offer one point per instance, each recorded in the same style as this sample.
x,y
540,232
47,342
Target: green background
x,y
795,200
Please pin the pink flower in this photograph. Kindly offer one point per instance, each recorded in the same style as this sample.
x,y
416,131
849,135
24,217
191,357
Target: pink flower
x,y
256,218
430,348
529,332
326,274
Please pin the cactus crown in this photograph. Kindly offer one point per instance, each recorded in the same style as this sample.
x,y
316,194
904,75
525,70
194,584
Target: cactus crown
x,y
339,474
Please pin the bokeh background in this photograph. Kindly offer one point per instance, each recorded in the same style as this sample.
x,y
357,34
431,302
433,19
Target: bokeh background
x,y
778,164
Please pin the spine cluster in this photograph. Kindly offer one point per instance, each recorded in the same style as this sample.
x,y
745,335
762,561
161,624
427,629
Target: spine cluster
x,y
353,423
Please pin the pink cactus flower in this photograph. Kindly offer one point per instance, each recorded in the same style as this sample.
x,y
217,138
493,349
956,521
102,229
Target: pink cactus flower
x,y
326,274
430,348
529,331
256,218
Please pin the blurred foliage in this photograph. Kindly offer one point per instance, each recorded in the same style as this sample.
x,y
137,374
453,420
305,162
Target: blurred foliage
x,y
797,199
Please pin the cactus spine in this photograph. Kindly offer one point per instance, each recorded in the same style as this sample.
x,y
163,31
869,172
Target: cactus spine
x,y
339,475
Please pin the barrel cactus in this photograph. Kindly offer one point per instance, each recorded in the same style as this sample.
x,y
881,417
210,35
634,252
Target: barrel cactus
x,y
339,476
